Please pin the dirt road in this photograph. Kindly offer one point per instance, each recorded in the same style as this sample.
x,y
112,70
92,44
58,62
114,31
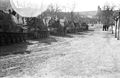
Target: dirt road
x,y
92,54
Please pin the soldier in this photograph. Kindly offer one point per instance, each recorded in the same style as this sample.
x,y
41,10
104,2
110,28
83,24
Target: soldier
x,y
107,27
104,27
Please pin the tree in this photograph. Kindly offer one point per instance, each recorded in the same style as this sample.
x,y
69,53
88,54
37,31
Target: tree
x,y
99,14
107,15
115,17
52,11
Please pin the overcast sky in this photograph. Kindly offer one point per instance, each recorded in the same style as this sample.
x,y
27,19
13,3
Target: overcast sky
x,y
93,4
88,5
80,5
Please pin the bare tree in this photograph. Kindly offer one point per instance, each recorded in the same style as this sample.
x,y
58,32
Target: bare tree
x,y
107,17
107,14
115,17
99,14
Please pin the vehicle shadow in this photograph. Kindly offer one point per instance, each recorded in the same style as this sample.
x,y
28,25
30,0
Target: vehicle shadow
x,y
84,33
67,36
28,46
25,47
48,40
20,48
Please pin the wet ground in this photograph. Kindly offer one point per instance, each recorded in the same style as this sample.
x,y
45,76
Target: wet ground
x,y
91,54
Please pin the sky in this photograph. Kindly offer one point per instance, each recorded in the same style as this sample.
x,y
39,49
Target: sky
x,y
32,8
68,5
93,4
87,5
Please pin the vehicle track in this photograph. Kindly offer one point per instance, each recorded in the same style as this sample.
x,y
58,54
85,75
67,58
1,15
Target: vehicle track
x,y
16,64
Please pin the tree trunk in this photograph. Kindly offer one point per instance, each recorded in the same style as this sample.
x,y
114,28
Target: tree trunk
x,y
118,27
118,30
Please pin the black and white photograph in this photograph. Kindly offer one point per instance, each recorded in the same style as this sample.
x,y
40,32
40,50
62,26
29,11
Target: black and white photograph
x,y
59,38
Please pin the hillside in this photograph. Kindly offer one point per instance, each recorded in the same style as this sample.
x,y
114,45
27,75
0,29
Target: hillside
x,y
88,13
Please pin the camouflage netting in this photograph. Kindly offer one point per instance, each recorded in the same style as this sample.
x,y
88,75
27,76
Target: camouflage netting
x,y
36,28
36,23
7,23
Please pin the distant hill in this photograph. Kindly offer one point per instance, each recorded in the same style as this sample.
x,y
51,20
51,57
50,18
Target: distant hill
x,y
88,13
